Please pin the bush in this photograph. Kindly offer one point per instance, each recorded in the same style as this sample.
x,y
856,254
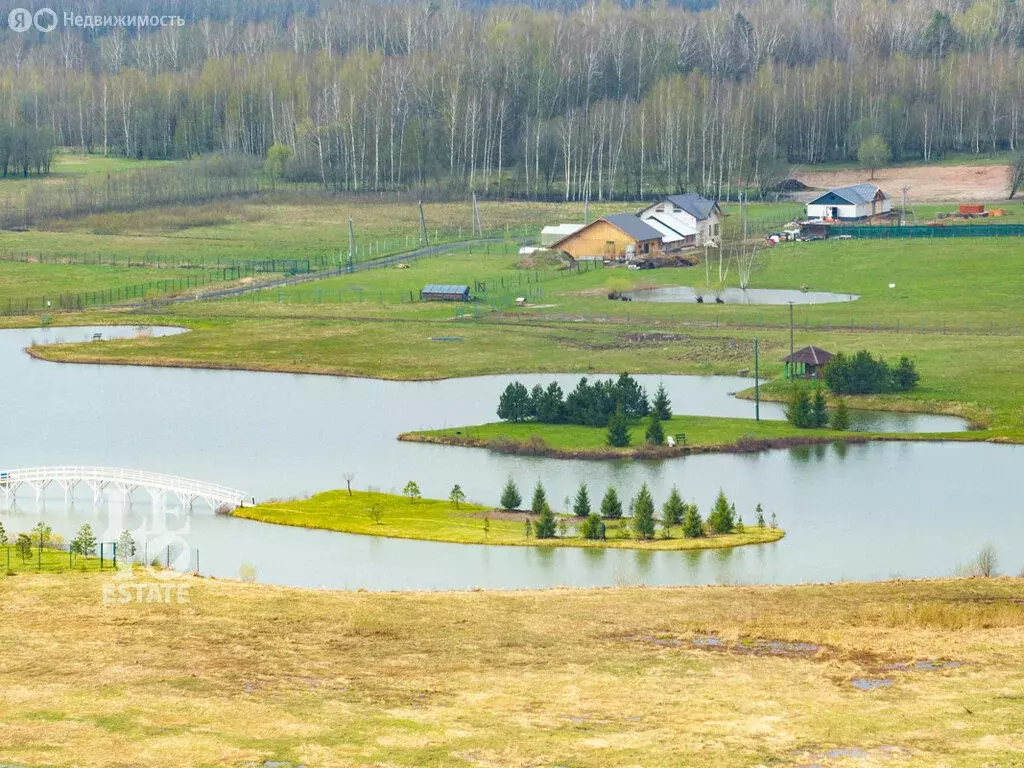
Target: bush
x,y
593,528
611,507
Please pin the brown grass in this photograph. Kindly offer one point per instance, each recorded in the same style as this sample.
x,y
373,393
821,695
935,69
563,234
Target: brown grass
x,y
245,673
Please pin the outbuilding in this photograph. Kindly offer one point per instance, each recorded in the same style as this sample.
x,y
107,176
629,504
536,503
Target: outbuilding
x,y
807,363
861,201
435,292
621,236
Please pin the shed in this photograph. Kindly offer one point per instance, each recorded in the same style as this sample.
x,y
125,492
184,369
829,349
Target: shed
x,y
619,236
552,234
860,201
435,292
807,362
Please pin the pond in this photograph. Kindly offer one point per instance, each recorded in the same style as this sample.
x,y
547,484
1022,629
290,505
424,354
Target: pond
x,y
678,294
860,512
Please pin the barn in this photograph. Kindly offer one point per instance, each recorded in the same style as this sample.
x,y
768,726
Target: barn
x,y
861,201
435,292
619,236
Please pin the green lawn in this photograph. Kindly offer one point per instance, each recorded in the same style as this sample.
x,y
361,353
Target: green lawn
x,y
49,561
702,433
381,514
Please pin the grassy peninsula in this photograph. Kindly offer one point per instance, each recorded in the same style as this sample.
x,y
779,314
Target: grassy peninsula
x,y
383,514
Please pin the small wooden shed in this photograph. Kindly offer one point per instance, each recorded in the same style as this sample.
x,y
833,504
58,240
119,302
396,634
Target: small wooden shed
x,y
807,363
435,292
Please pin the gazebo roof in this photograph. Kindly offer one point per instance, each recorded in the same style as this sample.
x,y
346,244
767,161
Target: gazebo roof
x,y
809,356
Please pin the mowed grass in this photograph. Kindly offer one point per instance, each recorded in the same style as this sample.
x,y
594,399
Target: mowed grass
x,y
381,514
701,433
241,674
49,561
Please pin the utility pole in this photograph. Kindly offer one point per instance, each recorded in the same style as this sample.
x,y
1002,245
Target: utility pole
x,y
757,387
903,212
790,363
424,239
586,210
478,227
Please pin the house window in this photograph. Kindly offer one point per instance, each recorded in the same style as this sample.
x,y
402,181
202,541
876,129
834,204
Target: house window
x,y
646,247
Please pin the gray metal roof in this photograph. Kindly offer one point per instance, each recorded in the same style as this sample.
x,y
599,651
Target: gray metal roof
x,y
858,194
438,288
697,206
633,226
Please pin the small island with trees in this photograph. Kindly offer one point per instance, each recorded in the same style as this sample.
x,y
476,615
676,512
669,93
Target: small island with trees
x,y
601,519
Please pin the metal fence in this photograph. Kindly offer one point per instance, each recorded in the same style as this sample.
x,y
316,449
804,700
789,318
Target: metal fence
x,y
869,232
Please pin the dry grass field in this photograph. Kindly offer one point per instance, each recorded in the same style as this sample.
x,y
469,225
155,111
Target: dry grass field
x,y
242,674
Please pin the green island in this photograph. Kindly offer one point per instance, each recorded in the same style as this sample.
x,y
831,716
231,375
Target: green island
x,y
383,514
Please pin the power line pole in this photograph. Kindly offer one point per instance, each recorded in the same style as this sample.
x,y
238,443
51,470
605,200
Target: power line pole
x,y
757,387
903,213
424,239
790,363
351,244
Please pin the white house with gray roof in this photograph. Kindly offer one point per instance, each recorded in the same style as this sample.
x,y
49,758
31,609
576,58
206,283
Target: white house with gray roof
x,y
861,201
685,220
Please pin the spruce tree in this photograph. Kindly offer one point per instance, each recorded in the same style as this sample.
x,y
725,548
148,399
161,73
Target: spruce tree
x,y
581,504
655,434
798,410
510,498
546,524
662,405
721,518
618,429
693,526
840,419
673,509
819,414
611,507
643,513
3,536
540,500
760,516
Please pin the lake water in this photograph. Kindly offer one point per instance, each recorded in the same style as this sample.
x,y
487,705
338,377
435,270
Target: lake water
x,y
677,294
851,512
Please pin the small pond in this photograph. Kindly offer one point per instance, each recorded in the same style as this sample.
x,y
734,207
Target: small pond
x,y
680,294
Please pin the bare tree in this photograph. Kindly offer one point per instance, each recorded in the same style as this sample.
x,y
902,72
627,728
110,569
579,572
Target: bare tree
x,y
349,477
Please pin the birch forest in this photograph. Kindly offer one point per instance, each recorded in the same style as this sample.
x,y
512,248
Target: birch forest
x,y
546,100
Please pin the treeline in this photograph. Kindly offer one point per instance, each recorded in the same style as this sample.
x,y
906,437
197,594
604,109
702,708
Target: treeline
x,y
570,100
590,405
677,516
25,150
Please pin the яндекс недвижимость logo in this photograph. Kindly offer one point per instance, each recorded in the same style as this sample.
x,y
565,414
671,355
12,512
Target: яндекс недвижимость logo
x,y
22,19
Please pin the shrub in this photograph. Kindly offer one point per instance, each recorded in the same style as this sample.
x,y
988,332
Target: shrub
x,y
611,507
593,528
643,513
510,498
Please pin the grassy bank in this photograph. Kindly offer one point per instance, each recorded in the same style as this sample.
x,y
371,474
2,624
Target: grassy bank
x,y
383,514
241,674
703,434
50,561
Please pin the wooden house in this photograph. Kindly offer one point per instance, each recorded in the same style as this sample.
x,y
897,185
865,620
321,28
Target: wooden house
x,y
620,236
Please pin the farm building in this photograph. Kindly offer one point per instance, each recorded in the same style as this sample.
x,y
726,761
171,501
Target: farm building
x,y
552,234
685,220
860,201
808,362
619,236
434,292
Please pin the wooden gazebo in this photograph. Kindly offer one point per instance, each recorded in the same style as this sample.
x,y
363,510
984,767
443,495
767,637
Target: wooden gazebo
x,y
807,362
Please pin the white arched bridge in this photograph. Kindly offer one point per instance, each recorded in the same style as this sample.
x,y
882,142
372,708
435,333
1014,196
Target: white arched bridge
x,y
127,481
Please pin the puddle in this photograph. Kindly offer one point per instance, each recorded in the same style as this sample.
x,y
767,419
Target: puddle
x,y
927,665
871,683
884,752
708,641
855,752
772,296
776,648
666,642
